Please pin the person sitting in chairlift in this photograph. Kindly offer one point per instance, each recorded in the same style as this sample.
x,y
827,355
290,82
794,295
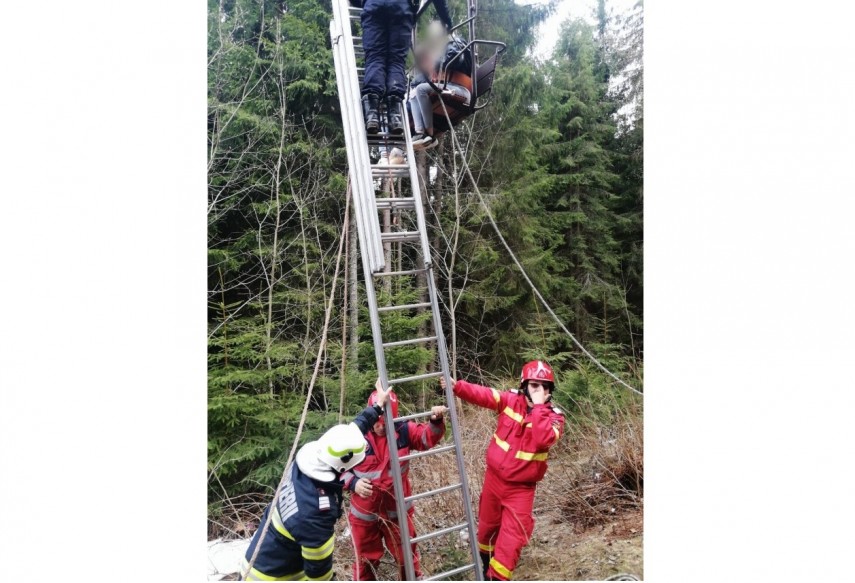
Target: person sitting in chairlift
x,y
451,73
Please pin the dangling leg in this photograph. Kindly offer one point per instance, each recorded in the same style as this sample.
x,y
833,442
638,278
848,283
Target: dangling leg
x,y
421,102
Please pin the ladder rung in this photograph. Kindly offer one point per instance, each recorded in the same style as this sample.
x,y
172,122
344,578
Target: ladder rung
x,y
451,572
418,377
379,166
431,493
396,203
397,169
406,342
393,273
433,451
380,173
386,136
401,236
390,142
413,416
403,307
439,532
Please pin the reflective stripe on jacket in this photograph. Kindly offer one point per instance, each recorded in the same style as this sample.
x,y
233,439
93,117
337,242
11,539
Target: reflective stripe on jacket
x,y
520,445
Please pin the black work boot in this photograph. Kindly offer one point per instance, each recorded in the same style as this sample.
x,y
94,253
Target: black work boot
x,y
393,114
370,105
485,564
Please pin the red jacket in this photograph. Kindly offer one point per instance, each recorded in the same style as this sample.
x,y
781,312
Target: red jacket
x,y
519,447
377,468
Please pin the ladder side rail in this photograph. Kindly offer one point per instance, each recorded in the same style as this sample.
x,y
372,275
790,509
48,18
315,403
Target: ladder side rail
x,y
356,141
356,183
455,426
400,502
355,177
417,191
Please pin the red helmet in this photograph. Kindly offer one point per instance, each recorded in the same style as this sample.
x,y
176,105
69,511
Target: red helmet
x,y
372,400
537,370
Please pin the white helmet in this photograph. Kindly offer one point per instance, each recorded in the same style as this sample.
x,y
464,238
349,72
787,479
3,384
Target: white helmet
x,y
340,448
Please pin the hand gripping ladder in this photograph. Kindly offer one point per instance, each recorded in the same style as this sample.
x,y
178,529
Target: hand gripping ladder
x,y
362,172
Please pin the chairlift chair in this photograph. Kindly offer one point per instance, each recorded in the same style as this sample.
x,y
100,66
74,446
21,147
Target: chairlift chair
x,y
482,75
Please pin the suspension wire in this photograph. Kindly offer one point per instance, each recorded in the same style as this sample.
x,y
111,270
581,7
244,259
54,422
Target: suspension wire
x,y
321,348
517,262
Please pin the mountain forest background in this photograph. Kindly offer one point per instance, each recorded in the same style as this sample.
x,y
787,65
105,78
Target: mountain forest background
x,y
558,156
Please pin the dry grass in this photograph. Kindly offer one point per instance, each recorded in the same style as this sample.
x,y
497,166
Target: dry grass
x,y
588,508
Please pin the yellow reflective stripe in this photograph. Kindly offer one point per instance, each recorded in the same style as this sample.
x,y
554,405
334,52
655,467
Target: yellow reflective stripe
x,y
496,396
256,575
278,525
513,415
527,455
325,577
344,452
486,548
321,552
501,443
500,568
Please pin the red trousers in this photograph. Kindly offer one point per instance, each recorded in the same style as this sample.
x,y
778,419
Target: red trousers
x,y
368,538
505,523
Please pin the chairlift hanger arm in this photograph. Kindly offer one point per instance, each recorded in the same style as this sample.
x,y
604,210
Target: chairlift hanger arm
x,y
439,12
467,21
423,7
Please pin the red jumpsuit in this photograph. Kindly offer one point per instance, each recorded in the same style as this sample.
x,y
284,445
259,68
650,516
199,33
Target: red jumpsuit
x,y
375,519
516,461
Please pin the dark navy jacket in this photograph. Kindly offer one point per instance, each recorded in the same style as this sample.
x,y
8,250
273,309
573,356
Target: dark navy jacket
x,y
305,512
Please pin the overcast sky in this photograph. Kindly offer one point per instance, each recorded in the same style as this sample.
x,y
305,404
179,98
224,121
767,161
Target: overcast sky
x,y
570,8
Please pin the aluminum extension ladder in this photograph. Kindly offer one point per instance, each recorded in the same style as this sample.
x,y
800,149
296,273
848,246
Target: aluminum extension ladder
x,y
346,49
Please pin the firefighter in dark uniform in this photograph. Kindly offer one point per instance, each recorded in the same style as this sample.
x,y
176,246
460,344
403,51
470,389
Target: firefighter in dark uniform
x,y
387,26
299,543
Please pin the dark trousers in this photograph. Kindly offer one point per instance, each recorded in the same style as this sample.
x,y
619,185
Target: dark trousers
x,y
386,29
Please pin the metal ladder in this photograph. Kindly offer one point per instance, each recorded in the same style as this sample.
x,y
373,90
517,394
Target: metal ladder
x,y
346,49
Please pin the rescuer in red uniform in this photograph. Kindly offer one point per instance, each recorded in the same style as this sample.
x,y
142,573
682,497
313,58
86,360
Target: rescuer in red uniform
x,y
373,515
516,461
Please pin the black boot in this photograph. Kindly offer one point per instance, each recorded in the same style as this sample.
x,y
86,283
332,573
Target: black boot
x,y
485,564
370,105
393,114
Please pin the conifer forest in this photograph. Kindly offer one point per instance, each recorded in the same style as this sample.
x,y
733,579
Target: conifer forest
x,y
558,158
